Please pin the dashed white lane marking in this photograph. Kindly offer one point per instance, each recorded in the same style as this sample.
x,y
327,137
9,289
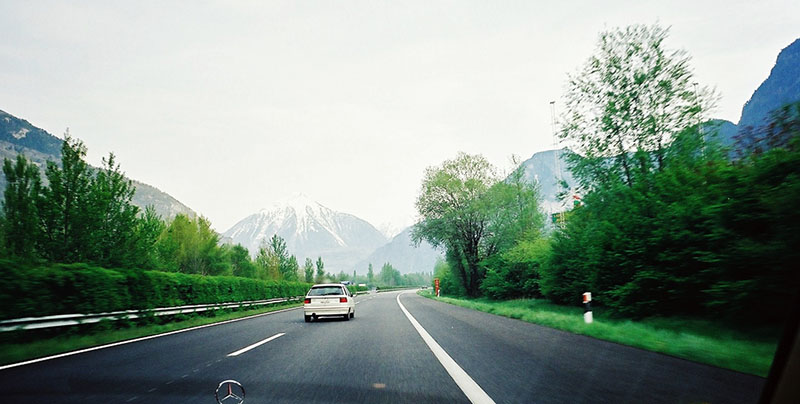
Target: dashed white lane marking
x,y
47,358
471,389
257,344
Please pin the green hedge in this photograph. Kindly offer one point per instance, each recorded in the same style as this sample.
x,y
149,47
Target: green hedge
x,y
355,288
79,288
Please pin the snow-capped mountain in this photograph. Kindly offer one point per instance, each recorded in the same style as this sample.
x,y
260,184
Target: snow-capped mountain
x,y
310,230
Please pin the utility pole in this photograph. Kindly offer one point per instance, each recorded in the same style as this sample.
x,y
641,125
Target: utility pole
x,y
556,159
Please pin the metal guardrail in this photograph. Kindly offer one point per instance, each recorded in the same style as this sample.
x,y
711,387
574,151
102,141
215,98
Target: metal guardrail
x,y
396,288
60,320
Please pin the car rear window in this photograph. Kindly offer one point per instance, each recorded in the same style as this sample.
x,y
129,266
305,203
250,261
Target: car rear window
x,y
325,291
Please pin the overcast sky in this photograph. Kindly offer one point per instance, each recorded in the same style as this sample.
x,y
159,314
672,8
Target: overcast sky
x,y
230,106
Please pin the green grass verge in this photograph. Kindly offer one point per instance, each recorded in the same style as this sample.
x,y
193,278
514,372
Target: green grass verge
x,y
15,348
693,339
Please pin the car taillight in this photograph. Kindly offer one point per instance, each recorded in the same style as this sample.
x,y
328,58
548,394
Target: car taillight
x,y
306,301
342,300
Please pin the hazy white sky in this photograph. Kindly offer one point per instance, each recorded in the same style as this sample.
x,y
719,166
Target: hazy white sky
x,y
230,106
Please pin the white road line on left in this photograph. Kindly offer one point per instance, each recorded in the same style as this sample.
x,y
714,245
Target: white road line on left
x,y
130,341
256,345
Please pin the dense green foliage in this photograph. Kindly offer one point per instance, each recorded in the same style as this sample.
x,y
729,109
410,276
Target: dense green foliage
x,y
626,104
190,246
86,215
355,288
276,263
79,215
669,224
37,290
674,227
449,284
514,273
59,236
20,208
389,276
308,270
467,210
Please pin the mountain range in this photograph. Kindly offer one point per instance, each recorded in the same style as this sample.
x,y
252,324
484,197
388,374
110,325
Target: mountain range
x,y
19,136
345,242
403,255
310,230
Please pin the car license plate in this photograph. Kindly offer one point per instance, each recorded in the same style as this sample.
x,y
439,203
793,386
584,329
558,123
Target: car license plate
x,y
325,301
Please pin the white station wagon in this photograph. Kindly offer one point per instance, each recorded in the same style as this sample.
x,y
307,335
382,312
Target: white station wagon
x,y
329,299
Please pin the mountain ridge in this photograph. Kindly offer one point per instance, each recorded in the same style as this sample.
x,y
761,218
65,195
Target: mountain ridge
x,y
781,86
310,230
403,256
18,136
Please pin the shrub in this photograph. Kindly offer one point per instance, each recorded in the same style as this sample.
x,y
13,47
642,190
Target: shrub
x,y
79,288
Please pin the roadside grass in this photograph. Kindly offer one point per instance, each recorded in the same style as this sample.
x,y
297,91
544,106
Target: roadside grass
x,y
747,351
18,346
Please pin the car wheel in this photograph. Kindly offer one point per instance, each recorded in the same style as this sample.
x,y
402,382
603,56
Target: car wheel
x,y
352,314
347,317
308,319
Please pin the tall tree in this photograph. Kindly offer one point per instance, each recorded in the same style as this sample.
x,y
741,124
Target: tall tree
x,y
626,104
308,270
65,219
3,250
292,268
454,214
112,216
280,254
147,229
21,223
267,263
370,274
320,270
512,208
390,276
241,264
190,246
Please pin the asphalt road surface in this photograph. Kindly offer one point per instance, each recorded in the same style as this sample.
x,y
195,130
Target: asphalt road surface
x,y
380,356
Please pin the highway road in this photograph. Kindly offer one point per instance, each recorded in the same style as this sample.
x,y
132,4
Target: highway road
x,y
378,357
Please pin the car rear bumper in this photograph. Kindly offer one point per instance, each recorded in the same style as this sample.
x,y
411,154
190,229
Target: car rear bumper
x,y
326,311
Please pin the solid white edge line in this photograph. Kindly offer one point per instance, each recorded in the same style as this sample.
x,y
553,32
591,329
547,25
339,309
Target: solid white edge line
x,y
130,341
471,389
257,344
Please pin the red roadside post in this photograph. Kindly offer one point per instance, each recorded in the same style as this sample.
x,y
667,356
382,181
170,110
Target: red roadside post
x,y
436,286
